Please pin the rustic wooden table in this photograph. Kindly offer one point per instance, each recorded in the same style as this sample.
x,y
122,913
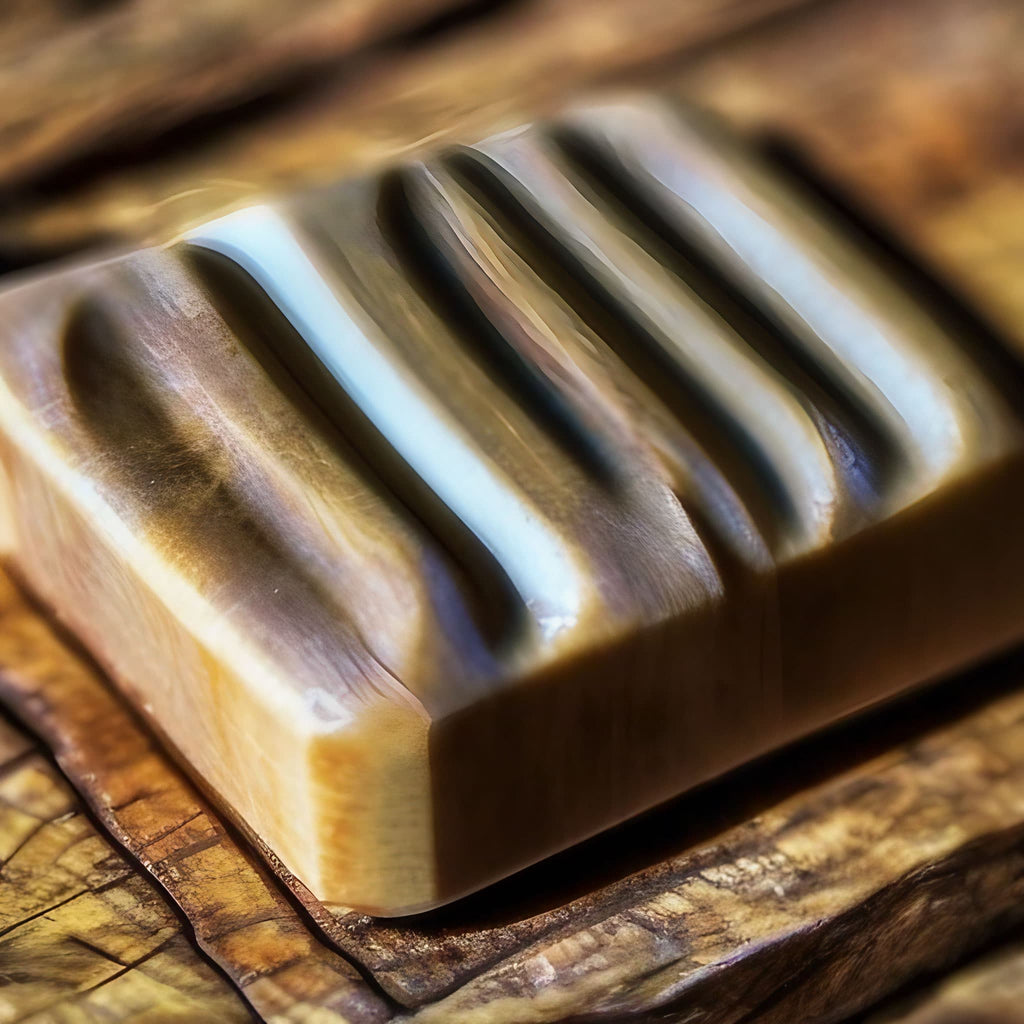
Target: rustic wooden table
x,y
876,870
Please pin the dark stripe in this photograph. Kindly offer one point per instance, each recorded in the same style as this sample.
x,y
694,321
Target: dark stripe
x,y
259,325
407,222
736,454
873,457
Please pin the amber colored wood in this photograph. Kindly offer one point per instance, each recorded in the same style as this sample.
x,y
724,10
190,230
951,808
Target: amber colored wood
x,y
83,933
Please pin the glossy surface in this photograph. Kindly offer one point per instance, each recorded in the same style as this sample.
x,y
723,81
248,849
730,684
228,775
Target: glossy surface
x,y
442,520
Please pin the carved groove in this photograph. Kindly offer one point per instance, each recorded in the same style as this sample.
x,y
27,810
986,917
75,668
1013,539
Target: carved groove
x,y
988,348
405,224
872,455
521,297
864,455
867,334
736,454
795,503
263,328
179,484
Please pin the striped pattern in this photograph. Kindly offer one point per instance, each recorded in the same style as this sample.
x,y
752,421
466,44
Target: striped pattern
x,y
444,518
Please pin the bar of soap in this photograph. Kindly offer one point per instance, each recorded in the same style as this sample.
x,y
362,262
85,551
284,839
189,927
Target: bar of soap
x,y
442,519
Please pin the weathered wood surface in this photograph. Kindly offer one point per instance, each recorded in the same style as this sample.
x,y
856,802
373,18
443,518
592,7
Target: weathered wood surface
x,y
84,935
754,901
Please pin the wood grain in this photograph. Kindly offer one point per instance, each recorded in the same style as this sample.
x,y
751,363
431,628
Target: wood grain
x,y
921,848
83,934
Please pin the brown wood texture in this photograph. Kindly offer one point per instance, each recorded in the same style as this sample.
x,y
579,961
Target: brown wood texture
x,y
83,933
806,890
79,78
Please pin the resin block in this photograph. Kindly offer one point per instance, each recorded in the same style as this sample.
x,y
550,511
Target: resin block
x,y
442,519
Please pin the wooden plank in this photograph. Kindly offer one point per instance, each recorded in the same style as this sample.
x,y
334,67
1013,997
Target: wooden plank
x,y
667,706
83,934
921,848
